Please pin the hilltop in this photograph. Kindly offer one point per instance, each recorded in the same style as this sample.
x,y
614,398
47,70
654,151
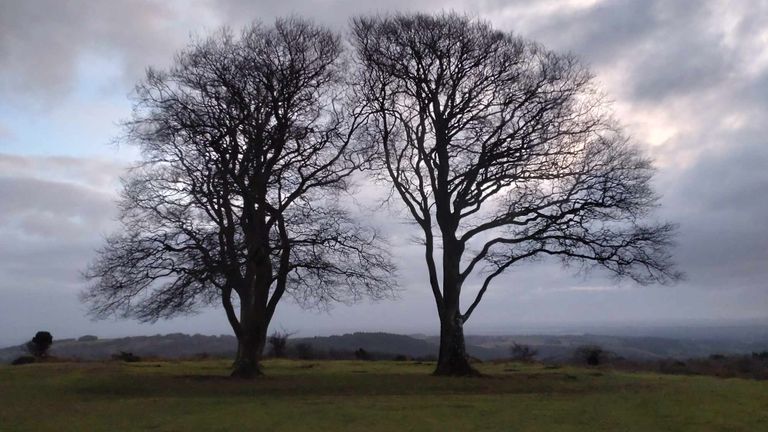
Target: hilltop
x,y
388,345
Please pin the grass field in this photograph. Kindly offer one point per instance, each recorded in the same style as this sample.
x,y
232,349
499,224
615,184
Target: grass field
x,y
369,396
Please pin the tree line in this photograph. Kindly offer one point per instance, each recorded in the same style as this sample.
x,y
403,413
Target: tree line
x,y
499,150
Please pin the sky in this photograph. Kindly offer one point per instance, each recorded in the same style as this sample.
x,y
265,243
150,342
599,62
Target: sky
x,y
688,80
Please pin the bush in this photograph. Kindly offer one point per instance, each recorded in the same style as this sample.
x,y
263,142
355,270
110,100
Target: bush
x,y
665,366
362,354
337,354
278,342
304,351
126,357
522,352
401,357
40,344
23,360
87,338
592,355
744,366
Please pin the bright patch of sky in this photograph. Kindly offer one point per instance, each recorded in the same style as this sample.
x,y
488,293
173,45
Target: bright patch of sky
x,y
83,123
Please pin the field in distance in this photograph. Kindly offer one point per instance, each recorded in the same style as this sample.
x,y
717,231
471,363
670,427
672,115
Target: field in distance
x,y
369,396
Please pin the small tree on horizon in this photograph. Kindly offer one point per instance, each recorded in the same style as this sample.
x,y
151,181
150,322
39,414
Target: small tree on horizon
x,y
591,355
40,344
278,342
522,352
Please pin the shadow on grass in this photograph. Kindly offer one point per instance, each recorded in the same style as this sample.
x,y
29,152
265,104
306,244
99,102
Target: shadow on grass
x,y
350,381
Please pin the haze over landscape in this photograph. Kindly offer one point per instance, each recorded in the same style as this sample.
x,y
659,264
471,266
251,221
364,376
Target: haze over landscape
x,y
689,81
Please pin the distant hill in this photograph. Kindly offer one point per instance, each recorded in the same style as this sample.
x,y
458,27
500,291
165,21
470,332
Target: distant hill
x,y
174,345
385,343
550,347
637,348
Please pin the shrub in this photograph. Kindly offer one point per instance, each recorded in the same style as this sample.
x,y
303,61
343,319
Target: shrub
x,y
362,354
126,357
278,342
305,351
745,366
336,354
23,360
87,338
592,355
40,344
522,352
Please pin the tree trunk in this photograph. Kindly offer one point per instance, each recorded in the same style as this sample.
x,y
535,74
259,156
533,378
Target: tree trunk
x,y
250,343
254,319
249,351
246,364
453,359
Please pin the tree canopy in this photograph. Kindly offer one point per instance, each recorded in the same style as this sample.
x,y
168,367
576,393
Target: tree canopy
x,y
246,145
502,151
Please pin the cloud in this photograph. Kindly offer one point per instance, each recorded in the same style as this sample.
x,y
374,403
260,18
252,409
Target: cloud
x,y
48,46
92,173
335,14
721,201
5,134
689,80
54,213
44,44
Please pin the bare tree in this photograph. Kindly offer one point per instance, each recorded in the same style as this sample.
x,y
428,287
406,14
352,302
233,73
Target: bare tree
x,y
246,145
522,352
278,342
501,151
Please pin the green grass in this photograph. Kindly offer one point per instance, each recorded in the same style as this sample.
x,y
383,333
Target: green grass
x,y
369,396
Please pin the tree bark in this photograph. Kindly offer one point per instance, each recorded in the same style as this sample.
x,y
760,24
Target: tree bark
x,y
250,346
254,323
453,359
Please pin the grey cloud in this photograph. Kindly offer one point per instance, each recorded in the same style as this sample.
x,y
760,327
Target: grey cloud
x,y
42,42
23,195
51,221
95,173
600,32
754,93
5,134
721,202
672,46
669,48
689,52
336,14
677,58
687,60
